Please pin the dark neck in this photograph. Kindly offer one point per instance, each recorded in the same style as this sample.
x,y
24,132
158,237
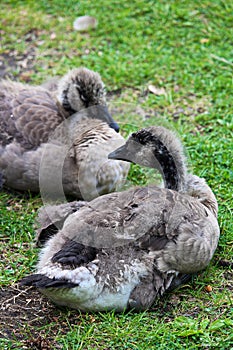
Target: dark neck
x,y
167,165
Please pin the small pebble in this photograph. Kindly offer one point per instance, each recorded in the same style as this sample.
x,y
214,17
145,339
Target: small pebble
x,y
84,23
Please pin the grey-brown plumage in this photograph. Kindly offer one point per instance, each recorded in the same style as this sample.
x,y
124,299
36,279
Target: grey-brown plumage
x,y
51,218
125,249
33,118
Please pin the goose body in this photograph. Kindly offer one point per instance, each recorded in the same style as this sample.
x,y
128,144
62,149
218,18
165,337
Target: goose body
x,y
125,249
31,118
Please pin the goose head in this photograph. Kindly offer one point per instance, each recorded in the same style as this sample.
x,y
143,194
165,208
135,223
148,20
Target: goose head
x,y
81,89
156,147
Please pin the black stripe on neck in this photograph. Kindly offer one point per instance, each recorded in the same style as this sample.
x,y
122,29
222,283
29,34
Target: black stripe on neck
x,y
167,164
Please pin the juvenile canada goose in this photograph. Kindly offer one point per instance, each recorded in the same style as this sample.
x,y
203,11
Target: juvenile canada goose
x,y
30,115
125,249
22,104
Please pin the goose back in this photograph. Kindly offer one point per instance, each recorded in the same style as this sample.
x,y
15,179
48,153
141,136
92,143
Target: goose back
x,y
79,151
27,114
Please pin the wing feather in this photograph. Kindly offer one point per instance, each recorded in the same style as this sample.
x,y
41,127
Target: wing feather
x,y
28,115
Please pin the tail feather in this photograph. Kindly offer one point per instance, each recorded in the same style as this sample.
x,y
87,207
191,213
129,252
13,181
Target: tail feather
x,y
42,281
179,280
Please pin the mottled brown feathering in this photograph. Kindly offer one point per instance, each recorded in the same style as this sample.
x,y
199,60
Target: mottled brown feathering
x,y
27,114
36,124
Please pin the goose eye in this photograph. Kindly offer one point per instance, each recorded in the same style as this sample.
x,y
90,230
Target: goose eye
x,y
83,98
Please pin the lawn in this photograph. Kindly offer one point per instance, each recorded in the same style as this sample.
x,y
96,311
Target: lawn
x,y
168,62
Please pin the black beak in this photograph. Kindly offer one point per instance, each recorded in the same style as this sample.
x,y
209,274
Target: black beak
x,y
119,154
108,118
114,126
99,112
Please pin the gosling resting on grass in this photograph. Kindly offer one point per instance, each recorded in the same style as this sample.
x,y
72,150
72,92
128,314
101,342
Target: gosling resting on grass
x,y
29,119
124,250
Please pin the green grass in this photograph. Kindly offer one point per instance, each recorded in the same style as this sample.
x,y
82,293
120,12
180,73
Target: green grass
x,y
184,47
